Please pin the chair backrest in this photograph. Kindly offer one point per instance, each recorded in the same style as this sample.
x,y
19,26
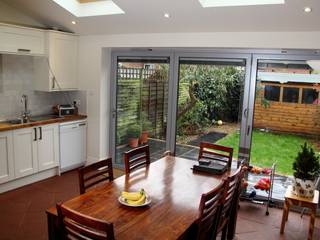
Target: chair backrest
x,y
95,173
74,225
209,211
228,200
216,152
136,158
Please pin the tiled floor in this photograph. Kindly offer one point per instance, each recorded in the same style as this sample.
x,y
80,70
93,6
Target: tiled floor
x,y
22,213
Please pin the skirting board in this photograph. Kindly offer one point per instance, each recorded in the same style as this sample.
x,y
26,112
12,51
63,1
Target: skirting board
x,y
28,180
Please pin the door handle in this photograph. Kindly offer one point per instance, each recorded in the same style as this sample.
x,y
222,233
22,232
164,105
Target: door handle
x,y
40,128
24,50
245,113
35,134
248,130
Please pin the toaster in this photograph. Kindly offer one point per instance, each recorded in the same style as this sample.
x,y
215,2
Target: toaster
x,y
64,110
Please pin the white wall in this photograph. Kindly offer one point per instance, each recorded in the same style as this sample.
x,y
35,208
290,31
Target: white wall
x,y
95,73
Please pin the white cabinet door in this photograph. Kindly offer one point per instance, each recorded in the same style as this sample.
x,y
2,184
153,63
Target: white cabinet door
x,y
6,157
63,54
48,146
25,152
21,40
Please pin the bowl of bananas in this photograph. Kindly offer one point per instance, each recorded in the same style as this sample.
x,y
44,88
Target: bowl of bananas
x,y
134,199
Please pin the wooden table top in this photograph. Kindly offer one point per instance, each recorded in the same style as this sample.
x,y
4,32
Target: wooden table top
x,y
175,191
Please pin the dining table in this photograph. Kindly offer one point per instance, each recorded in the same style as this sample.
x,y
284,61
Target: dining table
x,y
174,189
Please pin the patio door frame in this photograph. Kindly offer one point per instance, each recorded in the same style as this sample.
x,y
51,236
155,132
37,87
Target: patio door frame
x,y
293,55
114,87
219,54
174,54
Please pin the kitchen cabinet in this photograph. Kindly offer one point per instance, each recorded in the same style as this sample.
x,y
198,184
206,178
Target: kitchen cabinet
x,y
6,157
25,152
22,40
58,72
48,146
35,149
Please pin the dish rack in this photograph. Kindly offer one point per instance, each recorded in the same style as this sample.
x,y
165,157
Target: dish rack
x,y
263,175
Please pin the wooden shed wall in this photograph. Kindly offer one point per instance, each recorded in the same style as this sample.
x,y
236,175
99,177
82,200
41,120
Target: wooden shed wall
x,y
288,117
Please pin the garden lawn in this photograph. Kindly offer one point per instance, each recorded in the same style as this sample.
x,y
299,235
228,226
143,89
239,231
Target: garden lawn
x,y
268,148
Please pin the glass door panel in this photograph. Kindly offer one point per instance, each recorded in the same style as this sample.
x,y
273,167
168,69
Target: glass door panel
x,y
210,100
142,105
286,115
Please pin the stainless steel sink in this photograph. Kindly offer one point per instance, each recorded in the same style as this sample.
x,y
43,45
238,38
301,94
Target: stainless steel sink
x,y
43,118
32,119
13,121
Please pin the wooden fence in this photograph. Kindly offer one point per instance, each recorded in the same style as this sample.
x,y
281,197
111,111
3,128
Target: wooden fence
x,y
142,94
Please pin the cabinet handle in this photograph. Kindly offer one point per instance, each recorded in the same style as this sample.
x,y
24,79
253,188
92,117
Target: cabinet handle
x,y
35,134
23,50
40,128
53,83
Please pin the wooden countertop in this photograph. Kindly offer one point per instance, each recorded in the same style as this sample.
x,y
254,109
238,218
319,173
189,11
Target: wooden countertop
x,y
8,126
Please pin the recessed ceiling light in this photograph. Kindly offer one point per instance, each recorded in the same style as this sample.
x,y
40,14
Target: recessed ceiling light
x,y
74,22
166,15
307,9
233,3
90,8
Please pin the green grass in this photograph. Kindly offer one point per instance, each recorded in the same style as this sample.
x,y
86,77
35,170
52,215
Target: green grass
x,y
268,148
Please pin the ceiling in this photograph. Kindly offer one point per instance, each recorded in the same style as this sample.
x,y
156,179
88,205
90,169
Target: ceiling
x,y
146,16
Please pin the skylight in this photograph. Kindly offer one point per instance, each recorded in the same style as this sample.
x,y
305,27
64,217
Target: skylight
x,y
90,8
232,3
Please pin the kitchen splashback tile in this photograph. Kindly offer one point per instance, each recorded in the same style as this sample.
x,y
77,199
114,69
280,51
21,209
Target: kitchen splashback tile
x,y
16,73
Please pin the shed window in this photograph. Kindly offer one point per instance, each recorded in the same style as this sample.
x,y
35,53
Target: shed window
x,y
272,93
310,96
290,95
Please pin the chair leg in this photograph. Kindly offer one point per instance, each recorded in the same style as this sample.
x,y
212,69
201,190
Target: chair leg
x,y
224,232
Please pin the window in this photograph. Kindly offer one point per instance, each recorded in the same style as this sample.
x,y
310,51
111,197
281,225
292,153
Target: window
x,y
310,96
290,95
272,93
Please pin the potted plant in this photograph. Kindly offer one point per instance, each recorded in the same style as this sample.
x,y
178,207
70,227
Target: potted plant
x,y
146,128
306,168
133,134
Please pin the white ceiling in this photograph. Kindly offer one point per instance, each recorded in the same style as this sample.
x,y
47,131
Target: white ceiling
x,y
146,16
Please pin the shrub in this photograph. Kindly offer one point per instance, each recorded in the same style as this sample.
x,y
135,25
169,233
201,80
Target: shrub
x,y
134,131
306,166
193,121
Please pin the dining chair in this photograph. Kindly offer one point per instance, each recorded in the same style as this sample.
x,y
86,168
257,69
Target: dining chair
x,y
136,158
95,173
216,152
228,202
74,225
209,211
235,205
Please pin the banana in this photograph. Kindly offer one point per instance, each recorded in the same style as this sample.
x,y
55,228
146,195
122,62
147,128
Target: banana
x,y
139,202
133,196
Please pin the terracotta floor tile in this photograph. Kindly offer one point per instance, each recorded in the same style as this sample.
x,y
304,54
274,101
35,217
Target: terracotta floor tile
x,y
23,213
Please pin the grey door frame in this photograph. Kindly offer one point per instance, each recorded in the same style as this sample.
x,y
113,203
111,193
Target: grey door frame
x,y
298,55
212,56
113,87
174,54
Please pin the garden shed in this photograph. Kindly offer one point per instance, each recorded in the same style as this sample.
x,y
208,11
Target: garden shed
x,y
287,98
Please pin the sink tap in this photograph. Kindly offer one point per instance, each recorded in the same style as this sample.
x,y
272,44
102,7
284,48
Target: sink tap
x,y
26,112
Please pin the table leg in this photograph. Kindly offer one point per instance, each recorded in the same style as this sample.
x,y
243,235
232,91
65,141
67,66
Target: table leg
x,y
284,216
311,225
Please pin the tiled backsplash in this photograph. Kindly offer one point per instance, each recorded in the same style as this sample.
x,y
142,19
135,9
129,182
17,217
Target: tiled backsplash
x,y
16,73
